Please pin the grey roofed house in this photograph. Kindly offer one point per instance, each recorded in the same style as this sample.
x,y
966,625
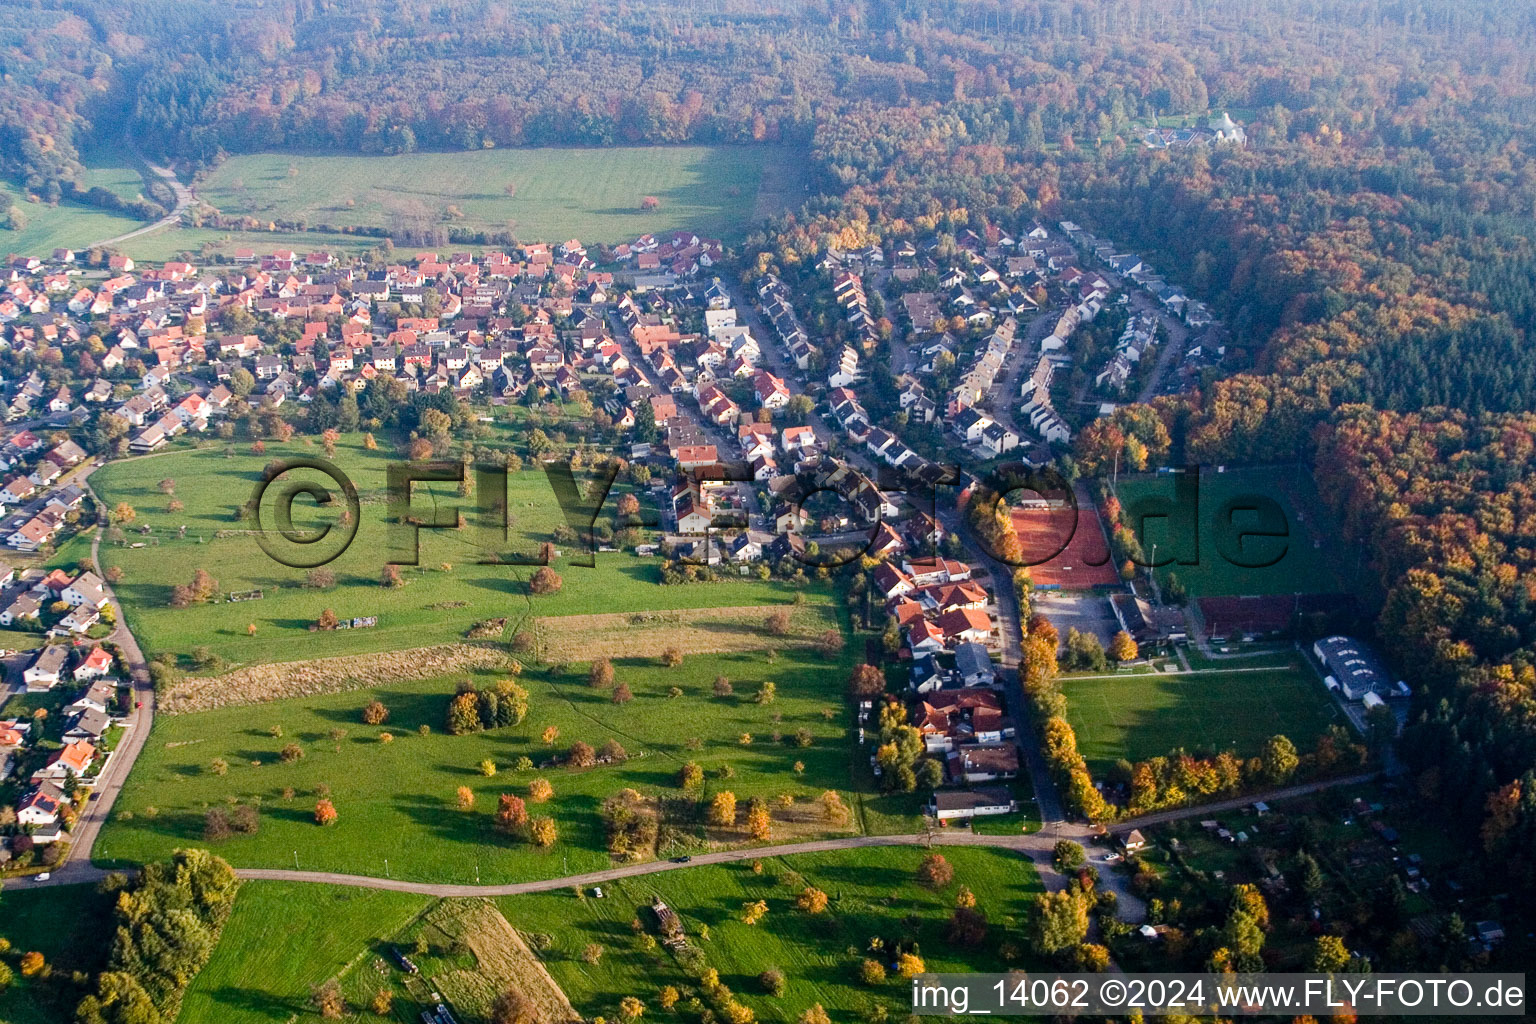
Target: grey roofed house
x,y
925,676
24,607
44,672
80,619
982,800
973,665
99,696
87,589
68,453
1134,615
90,724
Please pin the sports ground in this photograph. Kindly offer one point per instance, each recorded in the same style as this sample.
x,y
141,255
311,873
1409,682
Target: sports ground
x,y
1136,716
1310,559
1064,547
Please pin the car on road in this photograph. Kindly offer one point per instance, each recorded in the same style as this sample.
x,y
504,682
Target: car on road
x,y
684,859
43,877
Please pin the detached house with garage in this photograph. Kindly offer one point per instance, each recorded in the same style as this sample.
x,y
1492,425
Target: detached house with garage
x,y
74,759
41,807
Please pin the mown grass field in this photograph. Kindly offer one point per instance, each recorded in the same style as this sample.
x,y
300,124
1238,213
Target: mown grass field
x,y
1136,716
872,894
396,800
69,925
67,225
284,938
1313,559
436,605
555,194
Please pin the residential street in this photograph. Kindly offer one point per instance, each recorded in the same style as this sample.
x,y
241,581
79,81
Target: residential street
x,y
1011,634
140,718
1005,398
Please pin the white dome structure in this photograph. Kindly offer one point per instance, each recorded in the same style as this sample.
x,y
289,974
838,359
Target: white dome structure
x,y
1227,130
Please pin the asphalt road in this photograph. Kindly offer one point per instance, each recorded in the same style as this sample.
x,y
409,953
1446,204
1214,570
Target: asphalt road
x,y
77,866
185,197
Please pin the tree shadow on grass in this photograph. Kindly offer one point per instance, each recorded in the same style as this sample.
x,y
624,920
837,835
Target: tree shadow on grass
x,y
289,812
658,775
509,585
456,769
407,711
442,820
185,825
260,1005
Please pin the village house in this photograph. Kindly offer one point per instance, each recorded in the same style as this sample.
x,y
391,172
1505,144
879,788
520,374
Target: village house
x,y
46,669
71,761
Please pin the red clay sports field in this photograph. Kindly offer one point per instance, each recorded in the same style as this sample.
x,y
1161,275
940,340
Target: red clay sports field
x,y
1083,563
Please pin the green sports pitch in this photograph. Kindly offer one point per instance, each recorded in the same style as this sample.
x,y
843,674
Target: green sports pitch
x,y
1213,532
1142,715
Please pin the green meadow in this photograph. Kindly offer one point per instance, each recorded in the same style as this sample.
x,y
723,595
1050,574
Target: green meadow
x,y
1311,558
872,893
283,939
551,194
68,925
444,594
397,799
204,243
67,225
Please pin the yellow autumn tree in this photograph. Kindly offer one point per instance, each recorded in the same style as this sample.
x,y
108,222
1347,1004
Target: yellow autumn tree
x,y
759,821
722,809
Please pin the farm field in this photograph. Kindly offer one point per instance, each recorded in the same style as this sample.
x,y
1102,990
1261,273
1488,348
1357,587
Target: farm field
x,y
1313,560
1136,716
436,605
396,800
284,938
545,194
66,924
